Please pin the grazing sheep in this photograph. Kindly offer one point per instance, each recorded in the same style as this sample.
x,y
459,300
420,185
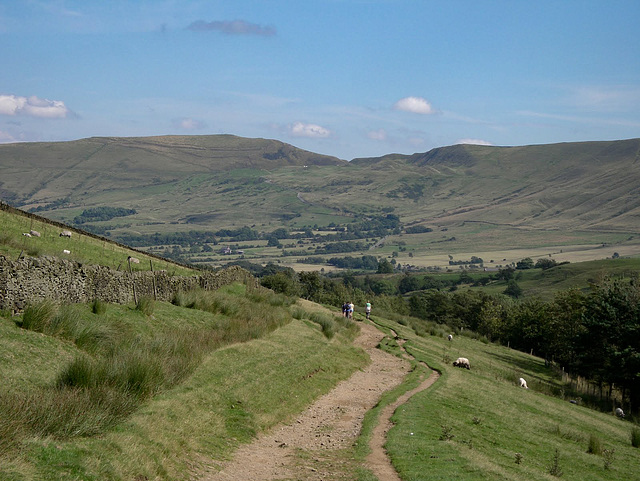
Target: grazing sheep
x,y
619,412
34,233
26,234
133,260
462,362
450,337
523,383
65,251
65,233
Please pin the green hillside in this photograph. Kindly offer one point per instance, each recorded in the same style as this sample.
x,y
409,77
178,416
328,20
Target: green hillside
x,y
501,203
475,424
80,247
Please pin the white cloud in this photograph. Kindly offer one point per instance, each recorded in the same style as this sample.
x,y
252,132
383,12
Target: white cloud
x,y
188,124
473,142
379,134
300,129
417,105
32,106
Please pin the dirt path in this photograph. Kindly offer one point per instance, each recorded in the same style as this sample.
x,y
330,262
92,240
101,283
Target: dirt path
x,y
308,448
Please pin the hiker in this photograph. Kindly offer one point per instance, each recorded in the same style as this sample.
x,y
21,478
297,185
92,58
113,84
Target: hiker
x,y
345,309
350,310
367,309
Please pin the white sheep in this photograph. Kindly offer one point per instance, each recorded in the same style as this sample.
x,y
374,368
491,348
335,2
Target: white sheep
x,y
34,233
65,233
66,251
462,362
133,260
619,412
26,234
523,383
450,337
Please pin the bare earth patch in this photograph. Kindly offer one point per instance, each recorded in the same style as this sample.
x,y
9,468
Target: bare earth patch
x,y
308,448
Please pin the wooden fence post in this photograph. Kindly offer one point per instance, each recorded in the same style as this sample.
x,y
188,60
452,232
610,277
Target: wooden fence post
x,y
133,282
153,277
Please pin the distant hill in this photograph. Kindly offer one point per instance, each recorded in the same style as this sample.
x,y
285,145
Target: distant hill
x,y
473,198
34,173
587,185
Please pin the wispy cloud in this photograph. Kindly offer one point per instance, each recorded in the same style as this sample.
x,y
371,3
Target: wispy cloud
x,y
300,129
606,98
581,119
234,27
380,135
473,142
417,105
33,106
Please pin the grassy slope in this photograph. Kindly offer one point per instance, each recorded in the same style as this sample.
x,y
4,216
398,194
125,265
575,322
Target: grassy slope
x,y
546,283
239,390
225,402
491,419
83,248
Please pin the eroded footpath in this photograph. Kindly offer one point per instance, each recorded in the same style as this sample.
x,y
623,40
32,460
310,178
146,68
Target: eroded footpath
x,y
308,447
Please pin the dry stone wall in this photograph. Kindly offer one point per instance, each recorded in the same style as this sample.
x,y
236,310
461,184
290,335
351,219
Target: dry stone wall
x,y
31,279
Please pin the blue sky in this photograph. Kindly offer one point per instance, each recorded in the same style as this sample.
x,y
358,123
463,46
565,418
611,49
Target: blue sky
x,y
350,78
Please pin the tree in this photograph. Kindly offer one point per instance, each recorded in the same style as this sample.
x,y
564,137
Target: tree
x,y
610,342
505,274
282,282
273,242
385,267
513,289
409,283
545,263
526,263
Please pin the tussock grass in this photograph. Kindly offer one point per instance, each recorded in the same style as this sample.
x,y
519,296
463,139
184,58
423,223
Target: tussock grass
x,y
98,307
595,445
122,363
145,305
635,437
61,413
326,323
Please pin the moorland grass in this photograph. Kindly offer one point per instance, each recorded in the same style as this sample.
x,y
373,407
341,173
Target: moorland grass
x,y
121,365
225,401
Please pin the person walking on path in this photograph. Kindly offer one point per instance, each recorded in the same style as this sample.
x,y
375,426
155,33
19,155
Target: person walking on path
x,y
367,309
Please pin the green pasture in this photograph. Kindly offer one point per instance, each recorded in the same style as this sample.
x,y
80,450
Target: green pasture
x,y
83,248
480,424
